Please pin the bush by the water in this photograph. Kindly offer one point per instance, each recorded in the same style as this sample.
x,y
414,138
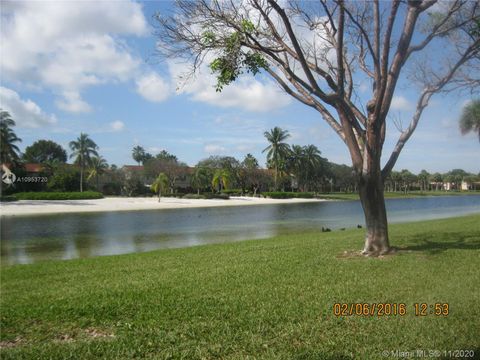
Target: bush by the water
x,y
193,196
288,195
112,188
58,195
7,198
233,192
216,196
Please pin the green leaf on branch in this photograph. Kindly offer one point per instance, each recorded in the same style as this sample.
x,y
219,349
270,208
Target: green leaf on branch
x,y
233,61
208,38
254,62
247,26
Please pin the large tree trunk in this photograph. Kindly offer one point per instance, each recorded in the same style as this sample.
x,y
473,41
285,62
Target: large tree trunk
x,y
373,203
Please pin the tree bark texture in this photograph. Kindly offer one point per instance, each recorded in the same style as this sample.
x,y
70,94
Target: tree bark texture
x,y
373,204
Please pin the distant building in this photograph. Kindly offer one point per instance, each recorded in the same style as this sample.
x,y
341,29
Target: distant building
x,y
470,185
32,168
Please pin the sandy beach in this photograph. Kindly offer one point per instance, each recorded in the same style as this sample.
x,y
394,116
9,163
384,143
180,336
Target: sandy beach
x,y
38,207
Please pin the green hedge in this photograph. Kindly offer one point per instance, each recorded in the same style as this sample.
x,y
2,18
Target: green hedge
x,y
232,192
8,198
288,195
58,195
216,196
193,196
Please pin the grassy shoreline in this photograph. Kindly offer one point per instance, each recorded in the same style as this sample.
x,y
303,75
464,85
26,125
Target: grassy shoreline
x,y
269,299
399,195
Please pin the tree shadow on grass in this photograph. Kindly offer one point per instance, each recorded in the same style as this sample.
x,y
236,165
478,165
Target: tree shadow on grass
x,y
434,244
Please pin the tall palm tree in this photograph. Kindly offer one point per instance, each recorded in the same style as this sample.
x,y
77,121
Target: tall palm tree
x,y
221,179
83,149
278,150
138,154
470,119
201,178
436,178
423,177
296,164
160,185
8,138
98,165
250,161
313,162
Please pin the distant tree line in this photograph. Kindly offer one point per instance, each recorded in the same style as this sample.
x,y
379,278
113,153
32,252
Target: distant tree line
x,y
89,166
288,168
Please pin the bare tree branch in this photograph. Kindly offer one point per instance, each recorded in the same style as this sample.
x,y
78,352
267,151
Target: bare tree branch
x,y
422,104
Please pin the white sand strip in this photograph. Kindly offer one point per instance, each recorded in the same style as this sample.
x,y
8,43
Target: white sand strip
x,y
38,207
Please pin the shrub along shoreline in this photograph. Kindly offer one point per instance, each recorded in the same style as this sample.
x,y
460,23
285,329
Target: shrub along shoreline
x,y
225,195
269,299
355,196
86,195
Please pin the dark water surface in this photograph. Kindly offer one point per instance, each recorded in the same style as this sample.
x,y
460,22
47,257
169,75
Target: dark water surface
x,y
67,236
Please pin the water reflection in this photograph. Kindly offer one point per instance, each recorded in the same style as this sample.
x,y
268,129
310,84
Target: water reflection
x,y
69,236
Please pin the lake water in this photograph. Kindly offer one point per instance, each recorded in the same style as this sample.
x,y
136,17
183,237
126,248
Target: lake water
x,y
68,236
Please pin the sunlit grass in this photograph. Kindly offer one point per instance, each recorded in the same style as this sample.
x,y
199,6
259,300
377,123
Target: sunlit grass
x,y
398,195
268,299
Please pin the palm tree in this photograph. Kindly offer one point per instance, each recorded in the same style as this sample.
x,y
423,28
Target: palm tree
x,y
423,177
9,151
200,178
250,162
221,179
470,119
138,154
313,162
304,162
436,178
98,165
160,185
396,177
277,151
296,164
83,149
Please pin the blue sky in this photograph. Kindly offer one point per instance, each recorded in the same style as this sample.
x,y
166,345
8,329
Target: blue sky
x,y
71,67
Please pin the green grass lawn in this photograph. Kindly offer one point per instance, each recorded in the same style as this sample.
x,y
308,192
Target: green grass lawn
x,y
398,195
262,299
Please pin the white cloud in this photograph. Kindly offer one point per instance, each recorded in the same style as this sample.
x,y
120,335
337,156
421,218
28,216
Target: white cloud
x,y
72,102
245,147
401,103
153,88
26,113
68,46
155,149
117,125
214,149
246,93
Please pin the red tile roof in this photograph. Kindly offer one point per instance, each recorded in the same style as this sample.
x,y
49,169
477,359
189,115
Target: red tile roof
x,y
33,168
